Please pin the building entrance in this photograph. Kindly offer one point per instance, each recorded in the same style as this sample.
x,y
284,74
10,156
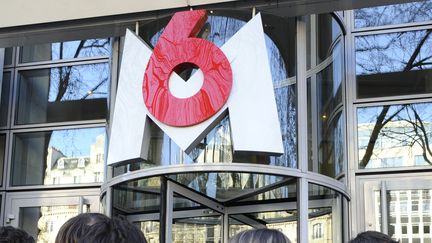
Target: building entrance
x,y
212,206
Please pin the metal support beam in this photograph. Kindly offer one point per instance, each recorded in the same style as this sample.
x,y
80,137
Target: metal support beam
x,y
384,210
249,221
196,197
260,190
303,210
163,209
225,227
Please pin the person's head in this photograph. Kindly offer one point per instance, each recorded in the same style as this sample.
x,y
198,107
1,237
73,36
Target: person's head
x,y
75,228
117,230
9,234
260,236
372,237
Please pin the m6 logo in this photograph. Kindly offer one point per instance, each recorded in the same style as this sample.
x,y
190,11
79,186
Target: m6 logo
x,y
236,81
176,49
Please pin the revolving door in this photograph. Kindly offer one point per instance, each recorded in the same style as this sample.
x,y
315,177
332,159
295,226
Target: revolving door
x,y
203,204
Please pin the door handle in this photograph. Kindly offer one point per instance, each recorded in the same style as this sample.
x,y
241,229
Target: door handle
x,y
9,218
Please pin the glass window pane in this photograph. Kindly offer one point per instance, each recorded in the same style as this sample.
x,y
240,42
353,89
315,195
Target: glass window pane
x,y
60,94
150,230
283,221
394,64
325,100
395,135
197,229
65,50
137,196
226,186
325,222
393,14
8,56
43,223
2,156
327,33
4,101
58,157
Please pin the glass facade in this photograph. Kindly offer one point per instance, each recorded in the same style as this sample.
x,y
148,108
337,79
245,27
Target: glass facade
x,y
353,94
53,112
391,98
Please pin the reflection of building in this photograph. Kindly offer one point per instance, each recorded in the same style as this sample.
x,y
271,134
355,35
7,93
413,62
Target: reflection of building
x,y
397,145
72,170
68,170
409,215
52,218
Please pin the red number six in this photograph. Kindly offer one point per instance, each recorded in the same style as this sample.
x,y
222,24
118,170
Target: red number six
x,y
178,46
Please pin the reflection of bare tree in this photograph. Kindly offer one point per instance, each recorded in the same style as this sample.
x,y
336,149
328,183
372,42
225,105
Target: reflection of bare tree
x,y
66,79
418,59
405,126
65,73
393,14
419,133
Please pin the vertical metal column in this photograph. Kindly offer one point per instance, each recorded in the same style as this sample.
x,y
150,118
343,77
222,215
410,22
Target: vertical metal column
x,y
2,52
384,209
166,211
225,227
163,209
108,202
302,143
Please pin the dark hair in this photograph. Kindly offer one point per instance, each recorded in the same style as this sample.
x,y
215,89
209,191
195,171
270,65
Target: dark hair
x,y
372,237
260,236
10,234
75,228
117,230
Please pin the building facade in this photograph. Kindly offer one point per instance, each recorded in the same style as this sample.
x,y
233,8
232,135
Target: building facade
x,y
352,90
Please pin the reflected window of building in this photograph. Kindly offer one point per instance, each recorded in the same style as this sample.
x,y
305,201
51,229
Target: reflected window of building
x,y
317,231
57,157
393,64
4,98
65,50
61,94
420,11
394,135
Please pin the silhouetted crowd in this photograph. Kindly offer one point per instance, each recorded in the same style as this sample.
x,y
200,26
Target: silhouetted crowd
x,y
98,228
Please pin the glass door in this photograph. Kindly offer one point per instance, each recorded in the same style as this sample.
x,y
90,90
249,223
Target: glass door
x,y
401,208
42,216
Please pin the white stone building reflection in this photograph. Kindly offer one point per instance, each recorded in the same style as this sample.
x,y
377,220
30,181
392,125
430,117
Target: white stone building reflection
x,y
68,170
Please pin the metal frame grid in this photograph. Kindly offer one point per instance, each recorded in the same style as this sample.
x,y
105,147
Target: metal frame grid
x,y
357,176
7,190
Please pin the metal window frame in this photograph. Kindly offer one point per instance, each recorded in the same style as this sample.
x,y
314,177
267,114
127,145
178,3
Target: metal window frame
x,y
16,200
15,93
12,133
356,175
352,52
354,142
